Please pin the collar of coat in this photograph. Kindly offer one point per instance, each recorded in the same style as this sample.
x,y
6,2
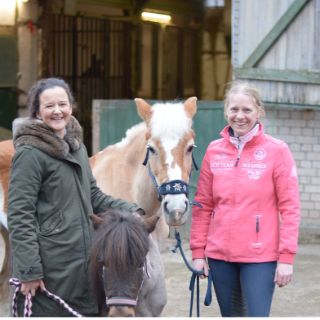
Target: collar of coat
x,y
36,133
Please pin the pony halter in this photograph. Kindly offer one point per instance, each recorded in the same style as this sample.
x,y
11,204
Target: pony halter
x,y
125,301
173,186
121,301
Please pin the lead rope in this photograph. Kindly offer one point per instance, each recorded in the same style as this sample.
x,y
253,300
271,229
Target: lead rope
x,y
194,278
28,301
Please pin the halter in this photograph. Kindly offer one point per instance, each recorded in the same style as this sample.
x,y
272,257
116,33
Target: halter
x,y
176,186
125,301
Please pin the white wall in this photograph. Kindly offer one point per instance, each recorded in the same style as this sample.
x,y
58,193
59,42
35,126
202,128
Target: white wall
x,y
300,129
28,50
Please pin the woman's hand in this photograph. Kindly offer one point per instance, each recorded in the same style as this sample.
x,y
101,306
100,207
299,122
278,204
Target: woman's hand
x,y
201,264
284,273
31,286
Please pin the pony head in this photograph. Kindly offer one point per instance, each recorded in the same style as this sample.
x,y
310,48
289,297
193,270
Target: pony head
x,y
170,141
118,260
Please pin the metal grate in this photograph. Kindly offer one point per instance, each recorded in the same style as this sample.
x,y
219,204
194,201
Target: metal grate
x,y
94,56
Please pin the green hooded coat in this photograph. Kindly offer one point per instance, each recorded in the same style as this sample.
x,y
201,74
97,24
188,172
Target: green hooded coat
x,y
51,195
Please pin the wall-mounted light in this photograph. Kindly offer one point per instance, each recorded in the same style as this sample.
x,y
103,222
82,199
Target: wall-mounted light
x,y
7,12
155,17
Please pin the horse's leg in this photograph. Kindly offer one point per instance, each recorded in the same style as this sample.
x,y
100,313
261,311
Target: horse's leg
x,y
5,270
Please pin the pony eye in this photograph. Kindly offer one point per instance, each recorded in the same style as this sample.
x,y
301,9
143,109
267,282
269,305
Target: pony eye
x,y
190,148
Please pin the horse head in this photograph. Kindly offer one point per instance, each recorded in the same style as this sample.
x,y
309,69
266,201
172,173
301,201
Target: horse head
x,y
169,159
118,260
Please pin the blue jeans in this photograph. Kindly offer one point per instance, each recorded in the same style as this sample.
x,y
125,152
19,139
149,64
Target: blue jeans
x,y
243,289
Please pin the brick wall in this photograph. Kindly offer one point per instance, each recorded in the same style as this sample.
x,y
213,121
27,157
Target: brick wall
x,y
300,129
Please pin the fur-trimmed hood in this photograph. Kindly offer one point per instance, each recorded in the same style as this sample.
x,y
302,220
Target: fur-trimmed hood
x,y
36,133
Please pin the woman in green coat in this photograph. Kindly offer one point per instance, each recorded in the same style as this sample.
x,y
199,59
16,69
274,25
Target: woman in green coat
x,y
51,196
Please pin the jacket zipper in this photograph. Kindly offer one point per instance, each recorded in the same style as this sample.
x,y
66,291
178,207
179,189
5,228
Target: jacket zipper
x,y
257,228
238,156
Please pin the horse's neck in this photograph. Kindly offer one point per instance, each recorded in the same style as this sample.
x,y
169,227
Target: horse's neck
x,y
143,190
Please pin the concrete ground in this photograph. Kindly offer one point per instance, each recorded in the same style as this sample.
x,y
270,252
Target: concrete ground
x,y
301,298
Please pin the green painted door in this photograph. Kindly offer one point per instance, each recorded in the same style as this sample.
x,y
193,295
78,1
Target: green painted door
x,y
116,116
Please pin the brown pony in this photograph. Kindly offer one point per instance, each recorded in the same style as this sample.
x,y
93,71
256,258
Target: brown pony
x,y
122,266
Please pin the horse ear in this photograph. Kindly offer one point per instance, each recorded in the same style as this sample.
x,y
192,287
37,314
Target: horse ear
x,y
150,223
144,109
190,106
96,220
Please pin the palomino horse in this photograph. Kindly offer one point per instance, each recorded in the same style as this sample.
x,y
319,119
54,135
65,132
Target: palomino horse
x,y
164,143
126,266
6,153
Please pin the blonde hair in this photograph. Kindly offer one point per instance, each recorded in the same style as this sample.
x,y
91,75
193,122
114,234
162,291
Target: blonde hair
x,y
244,87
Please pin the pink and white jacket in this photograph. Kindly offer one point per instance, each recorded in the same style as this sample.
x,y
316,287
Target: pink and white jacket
x,y
250,201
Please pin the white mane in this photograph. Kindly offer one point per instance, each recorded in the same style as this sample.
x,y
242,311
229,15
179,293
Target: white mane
x,y
130,134
169,120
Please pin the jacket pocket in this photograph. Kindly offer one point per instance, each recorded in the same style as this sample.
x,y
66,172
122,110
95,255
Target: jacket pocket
x,y
51,225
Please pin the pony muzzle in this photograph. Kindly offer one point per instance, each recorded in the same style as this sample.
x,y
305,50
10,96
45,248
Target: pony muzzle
x,y
176,209
121,307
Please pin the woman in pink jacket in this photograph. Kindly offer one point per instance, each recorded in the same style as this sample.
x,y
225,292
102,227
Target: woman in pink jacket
x,y
245,234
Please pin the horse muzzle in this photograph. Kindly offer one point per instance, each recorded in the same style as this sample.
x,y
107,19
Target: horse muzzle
x,y
121,307
121,311
176,208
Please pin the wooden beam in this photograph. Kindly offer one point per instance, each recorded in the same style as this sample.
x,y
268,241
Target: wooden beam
x,y
176,6
125,4
291,105
294,76
275,33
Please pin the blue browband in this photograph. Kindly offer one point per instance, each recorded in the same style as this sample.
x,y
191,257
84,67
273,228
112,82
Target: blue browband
x,y
174,187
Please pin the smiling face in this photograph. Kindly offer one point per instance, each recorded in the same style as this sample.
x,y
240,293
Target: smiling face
x,y
55,109
241,113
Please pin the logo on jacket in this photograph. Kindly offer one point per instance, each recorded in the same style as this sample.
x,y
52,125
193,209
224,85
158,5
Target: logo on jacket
x,y
293,172
260,154
254,174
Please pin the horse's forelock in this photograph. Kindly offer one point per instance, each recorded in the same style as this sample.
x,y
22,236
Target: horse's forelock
x,y
169,121
123,242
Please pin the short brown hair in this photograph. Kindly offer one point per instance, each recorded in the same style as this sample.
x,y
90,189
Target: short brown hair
x,y
42,85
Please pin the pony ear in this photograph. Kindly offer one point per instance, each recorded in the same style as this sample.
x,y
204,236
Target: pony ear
x,y
190,106
150,223
96,220
144,109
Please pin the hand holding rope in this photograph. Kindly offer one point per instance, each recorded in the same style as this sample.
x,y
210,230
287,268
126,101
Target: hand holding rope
x,y
28,301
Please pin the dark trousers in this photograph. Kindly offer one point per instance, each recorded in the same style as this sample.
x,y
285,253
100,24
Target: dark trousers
x,y
243,289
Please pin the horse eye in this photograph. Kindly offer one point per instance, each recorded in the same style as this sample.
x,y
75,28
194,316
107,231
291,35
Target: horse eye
x,y
190,148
